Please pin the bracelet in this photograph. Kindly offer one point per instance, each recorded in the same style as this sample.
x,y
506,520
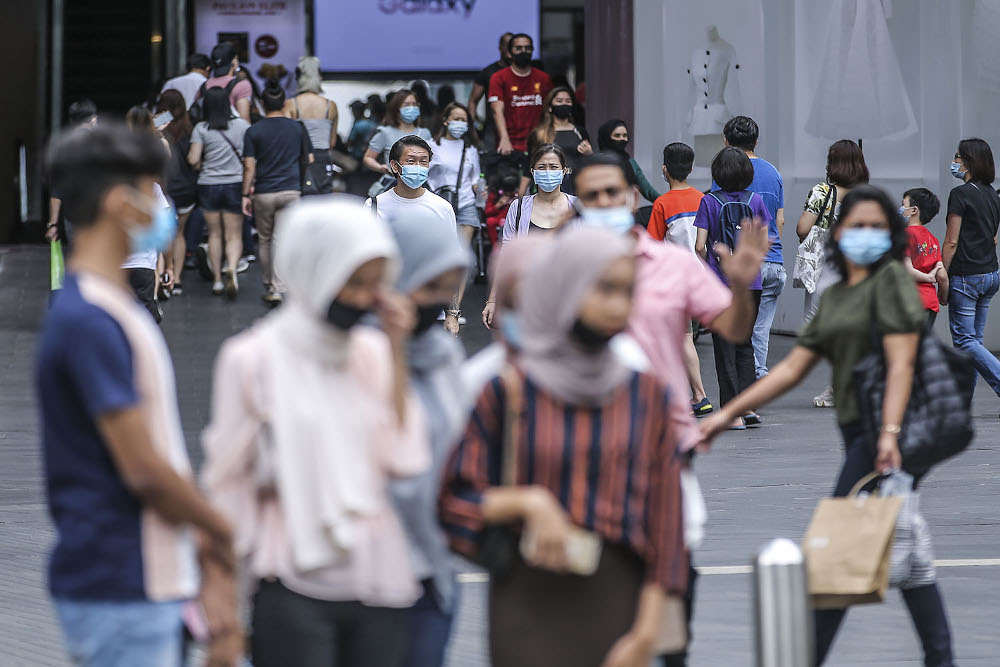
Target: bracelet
x,y
51,225
247,194
893,429
454,313
491,302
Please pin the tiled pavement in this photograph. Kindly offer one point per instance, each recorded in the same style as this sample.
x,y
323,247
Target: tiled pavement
x,y
759,484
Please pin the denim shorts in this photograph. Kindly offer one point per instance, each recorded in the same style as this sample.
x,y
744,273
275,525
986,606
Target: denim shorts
x,y
227,197
122,634
468,216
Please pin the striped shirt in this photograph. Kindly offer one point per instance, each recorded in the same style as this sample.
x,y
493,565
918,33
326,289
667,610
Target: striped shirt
x,y
612,468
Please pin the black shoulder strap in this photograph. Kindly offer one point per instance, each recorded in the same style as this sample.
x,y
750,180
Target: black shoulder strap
x,y
375,206
716,198
231,144
461,163
749,196
517,220
232,84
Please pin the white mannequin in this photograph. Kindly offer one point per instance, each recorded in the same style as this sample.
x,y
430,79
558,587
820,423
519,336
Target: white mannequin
x,y
716,92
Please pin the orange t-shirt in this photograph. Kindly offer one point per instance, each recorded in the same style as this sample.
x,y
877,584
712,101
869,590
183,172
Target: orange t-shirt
x,y
673,217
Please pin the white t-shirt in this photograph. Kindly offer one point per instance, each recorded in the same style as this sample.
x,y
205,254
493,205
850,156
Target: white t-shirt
x,y
444,169
147,260
391,205
187,85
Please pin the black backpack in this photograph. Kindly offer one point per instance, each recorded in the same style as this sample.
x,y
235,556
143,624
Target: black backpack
x,y
197,110
732,215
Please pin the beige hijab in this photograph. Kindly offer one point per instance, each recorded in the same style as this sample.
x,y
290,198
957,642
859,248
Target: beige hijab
x,y
551,292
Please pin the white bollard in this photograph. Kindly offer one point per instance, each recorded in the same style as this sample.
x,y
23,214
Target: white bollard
x,y
782,615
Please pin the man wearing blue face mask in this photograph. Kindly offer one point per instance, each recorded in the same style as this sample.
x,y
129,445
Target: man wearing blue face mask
x,y
672,288
134,535
409,162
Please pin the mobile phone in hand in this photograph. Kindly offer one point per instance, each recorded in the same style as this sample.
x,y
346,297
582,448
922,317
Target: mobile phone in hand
x,y
161,120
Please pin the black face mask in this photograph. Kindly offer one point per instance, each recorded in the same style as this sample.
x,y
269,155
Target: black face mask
x,y
590,339
562,111
427,316
342,316
618,145
522,59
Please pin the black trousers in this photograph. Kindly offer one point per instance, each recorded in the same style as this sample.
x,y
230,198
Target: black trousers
x,y
143,284
292,630
924,603
734,363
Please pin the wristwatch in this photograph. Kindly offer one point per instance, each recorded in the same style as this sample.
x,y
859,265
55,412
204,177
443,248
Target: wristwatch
x,y
894,429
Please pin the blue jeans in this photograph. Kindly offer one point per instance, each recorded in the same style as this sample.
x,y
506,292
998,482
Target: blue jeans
x,y
122,634
431,630
773,275
968,305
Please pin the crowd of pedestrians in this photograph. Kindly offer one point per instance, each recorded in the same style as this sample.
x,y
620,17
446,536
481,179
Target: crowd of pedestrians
x,y
351,445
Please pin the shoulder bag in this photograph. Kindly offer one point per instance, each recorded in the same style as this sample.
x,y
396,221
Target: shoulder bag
x,y
452,194
937,423
498,550
811,254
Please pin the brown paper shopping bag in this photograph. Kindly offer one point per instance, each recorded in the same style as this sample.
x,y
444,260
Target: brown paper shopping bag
x,y
847,548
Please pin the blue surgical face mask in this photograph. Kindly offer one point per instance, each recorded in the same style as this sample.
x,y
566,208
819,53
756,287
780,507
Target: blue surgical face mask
x,y
510,329
616,218
865,246
159,233
956,170
409,114
458,128
547,180
413,175
902,213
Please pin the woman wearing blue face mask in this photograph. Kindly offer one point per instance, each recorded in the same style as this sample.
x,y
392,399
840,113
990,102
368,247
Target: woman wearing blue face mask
x,y
538,213
969,253
455,167
400,120
867,244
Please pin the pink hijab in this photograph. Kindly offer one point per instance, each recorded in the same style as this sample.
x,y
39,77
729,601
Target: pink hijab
x,y
511,263
551,291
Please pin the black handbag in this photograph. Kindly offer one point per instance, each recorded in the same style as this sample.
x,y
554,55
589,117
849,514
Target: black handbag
x,y
938,420
499,545
317,176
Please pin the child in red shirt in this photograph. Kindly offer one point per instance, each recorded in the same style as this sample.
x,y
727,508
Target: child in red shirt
x,y
497,203
923,254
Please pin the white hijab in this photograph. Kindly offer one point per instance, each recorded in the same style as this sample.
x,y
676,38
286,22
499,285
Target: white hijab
x,y
326,472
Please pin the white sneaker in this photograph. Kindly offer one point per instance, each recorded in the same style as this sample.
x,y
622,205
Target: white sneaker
x,y
825,400
242,265
218,288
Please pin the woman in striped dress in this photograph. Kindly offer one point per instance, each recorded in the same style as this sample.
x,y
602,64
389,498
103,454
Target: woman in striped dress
x,y
594,467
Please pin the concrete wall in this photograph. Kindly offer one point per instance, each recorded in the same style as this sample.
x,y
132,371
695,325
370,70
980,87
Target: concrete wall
x,y
944,62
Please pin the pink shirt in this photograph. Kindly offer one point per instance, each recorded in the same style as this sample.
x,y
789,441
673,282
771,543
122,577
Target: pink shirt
x,y
239,478
673,287
241,91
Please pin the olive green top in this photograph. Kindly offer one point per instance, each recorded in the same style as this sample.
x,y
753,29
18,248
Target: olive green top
x,y
841,329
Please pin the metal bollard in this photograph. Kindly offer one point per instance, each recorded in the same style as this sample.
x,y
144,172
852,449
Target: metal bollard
x,y
782,616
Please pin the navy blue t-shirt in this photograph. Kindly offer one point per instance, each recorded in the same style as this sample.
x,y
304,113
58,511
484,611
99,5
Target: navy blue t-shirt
x,y
279,145
84,370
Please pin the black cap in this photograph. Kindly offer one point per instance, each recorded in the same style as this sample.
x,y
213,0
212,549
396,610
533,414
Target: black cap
x,y
222,58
